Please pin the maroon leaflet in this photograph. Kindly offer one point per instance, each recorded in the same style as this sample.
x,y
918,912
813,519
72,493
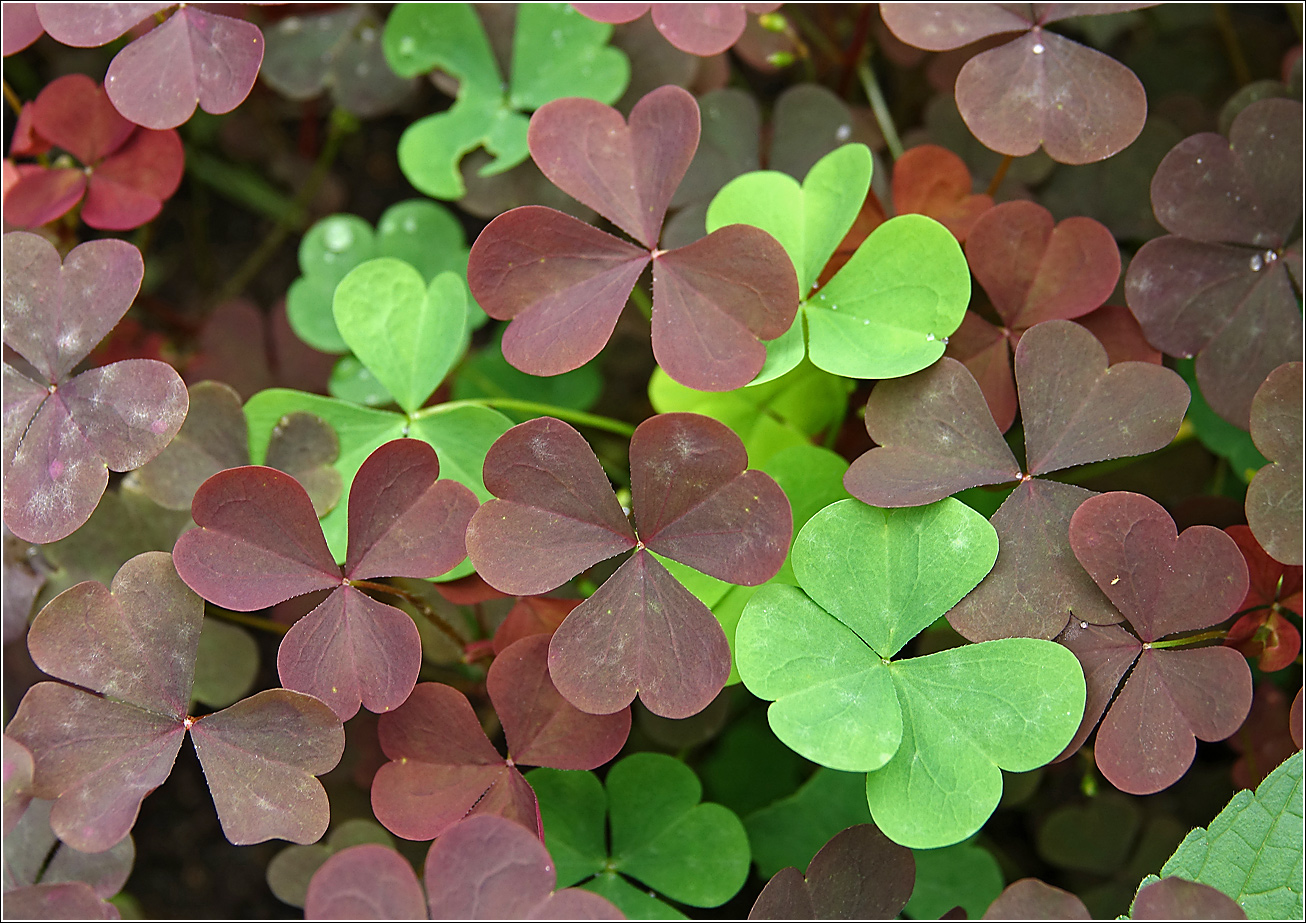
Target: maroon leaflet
x,y
128,172
21,27
99,753
532,615
17,782
698,28
563,283
1274,497
693,501
1163,583
860,874
1031,899
1039,88
1265,739
932,180
68,901
1178,899
444,768
1223,284
484,868
251,349
215,437
156,81
1032,271
936,437
62,433
259,543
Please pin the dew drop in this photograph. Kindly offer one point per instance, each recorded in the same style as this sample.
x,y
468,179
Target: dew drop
x,y
1038,49
1199,160
843,132
866,323
338,237
291,25
944,340
1257,263
410,225
368,34
929,338
1083,624
1270,257
407,45
834,307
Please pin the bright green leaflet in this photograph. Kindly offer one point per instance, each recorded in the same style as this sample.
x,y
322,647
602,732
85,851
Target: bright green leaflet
x,y
931,731
792,830
352,381
1252,851
964,875
889,573
890,309
778,414
661,834
407,334
417,231
461,434
635,903
1217,433
556,53
812,478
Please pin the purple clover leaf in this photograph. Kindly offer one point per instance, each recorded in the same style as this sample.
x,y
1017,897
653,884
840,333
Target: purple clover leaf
x,y
642,631
100,749
63,432
563,283
259,543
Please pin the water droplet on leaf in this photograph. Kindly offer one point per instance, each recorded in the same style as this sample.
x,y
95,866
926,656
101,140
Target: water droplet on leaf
x,y
1038,49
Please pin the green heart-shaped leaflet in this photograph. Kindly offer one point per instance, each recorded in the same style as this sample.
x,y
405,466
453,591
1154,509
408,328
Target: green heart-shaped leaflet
x,y
407,334
957,715
460,435
417,231
888,311
661,834
808,220
557,52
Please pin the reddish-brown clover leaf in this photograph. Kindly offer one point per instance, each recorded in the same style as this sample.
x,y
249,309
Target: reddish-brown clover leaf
x,y
1033,270
936,436
1163,583
17,782
932,180
1225,284
98,753
1274,497
532,615
61,433
443,768
483,868
563,283
1262,633
1037,89
698,28
1179,899
1265,738
127,172
642,631
259,543
251,350
21,27
215,437
1031,899
73,900
860,874
193,57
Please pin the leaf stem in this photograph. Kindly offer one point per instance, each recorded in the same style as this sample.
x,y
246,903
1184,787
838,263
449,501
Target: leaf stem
x,y
417,603
999,175
256,622
880,109
1218,634
607,424
12,99
1232,47
341,124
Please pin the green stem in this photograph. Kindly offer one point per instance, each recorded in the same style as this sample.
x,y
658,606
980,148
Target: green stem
x,y
1218,634
814,36
341,124
12,99
880,109
643,302
607,424
256,622
417,603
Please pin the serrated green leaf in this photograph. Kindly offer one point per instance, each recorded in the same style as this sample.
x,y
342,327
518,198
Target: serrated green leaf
x,y
407,333
1253,850
790,831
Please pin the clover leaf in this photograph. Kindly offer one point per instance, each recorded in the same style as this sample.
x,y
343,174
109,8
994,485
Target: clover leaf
x,y
879,317
62,432
99,753
1274,497
259,543
871,579
659,832
556,53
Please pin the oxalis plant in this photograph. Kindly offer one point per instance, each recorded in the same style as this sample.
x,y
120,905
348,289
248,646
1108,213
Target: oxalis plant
x,y
653,461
